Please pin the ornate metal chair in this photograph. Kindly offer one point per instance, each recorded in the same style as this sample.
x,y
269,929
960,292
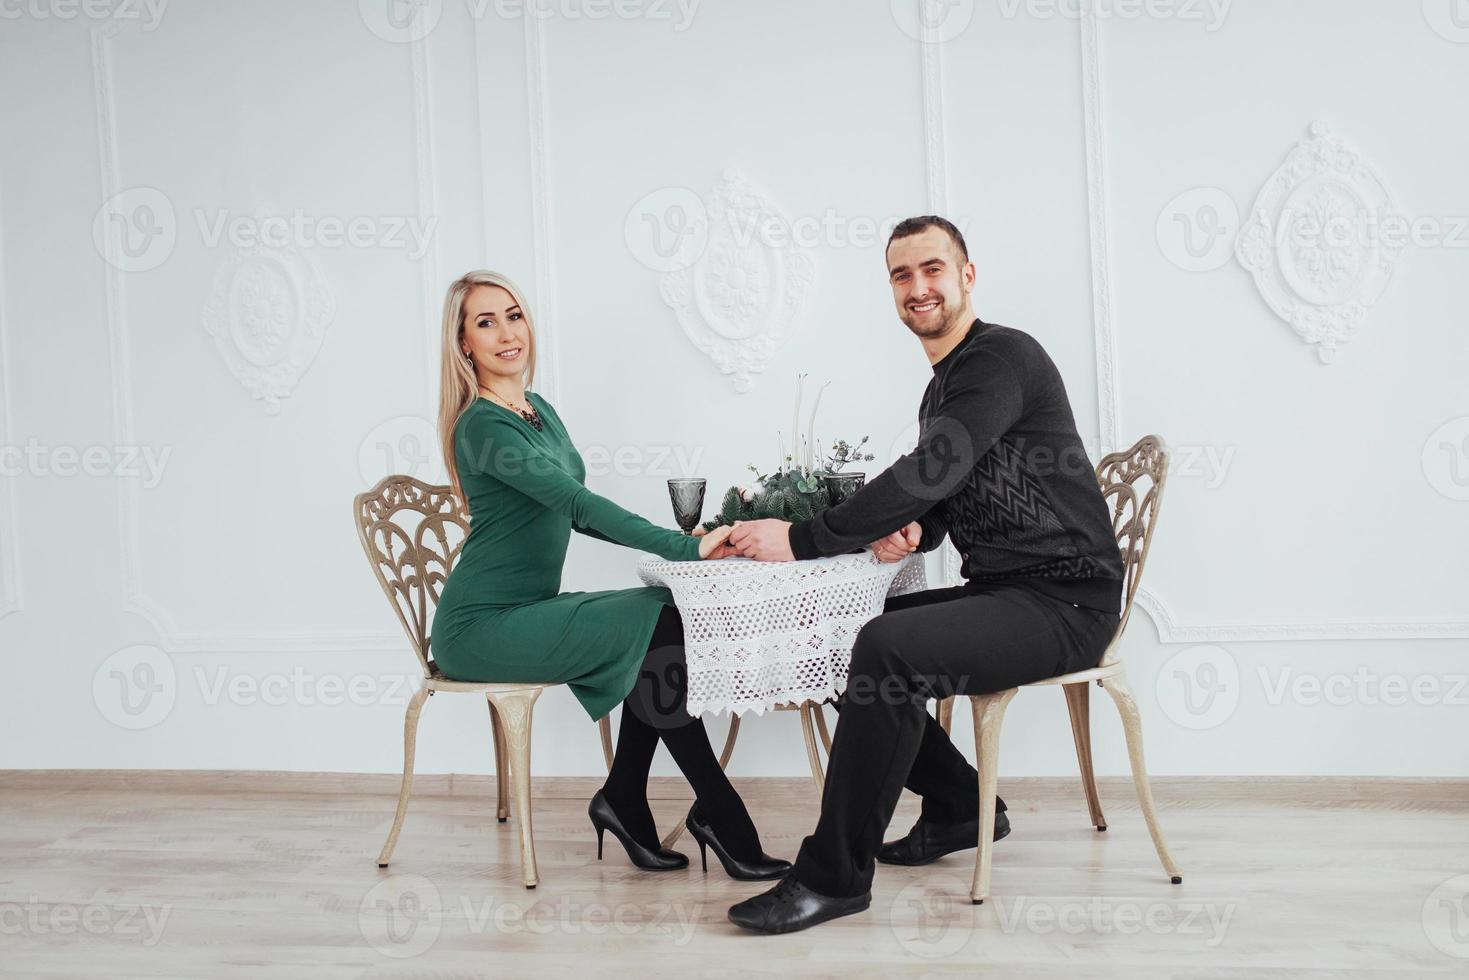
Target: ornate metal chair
x,y
412,533
1134,516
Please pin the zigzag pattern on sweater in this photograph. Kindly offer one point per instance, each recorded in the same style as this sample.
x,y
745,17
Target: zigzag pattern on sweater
x,y
1078,567
1004,503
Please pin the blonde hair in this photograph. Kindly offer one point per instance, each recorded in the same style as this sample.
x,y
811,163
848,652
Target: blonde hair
x,y
458,385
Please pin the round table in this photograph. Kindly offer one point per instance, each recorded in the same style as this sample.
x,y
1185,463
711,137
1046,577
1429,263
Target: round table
x,y
776,635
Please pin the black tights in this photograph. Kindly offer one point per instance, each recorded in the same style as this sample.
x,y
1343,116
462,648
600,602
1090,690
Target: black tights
x,y
654,709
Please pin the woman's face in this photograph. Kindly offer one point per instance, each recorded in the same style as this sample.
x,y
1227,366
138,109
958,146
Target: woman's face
x,y
495,333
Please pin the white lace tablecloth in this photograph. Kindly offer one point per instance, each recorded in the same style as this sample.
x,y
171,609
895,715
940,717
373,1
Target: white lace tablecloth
x,y
759,634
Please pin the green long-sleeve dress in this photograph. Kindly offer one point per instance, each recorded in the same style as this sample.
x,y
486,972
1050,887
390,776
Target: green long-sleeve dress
x,y
502,615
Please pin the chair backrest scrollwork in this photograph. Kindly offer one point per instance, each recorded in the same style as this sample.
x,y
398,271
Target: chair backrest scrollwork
x,y
412,533
1132,484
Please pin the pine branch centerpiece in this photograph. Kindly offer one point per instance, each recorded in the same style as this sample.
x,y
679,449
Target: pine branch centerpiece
x,y
804,484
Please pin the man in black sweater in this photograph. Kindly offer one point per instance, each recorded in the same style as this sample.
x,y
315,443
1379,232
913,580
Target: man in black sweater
x,y
999,467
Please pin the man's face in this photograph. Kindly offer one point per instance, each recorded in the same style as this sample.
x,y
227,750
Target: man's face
x,y
930,280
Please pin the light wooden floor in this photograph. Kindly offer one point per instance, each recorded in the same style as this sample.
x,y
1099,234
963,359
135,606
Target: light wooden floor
x,y
249,875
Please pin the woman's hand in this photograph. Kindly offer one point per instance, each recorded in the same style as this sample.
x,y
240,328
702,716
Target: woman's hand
x,y
714,544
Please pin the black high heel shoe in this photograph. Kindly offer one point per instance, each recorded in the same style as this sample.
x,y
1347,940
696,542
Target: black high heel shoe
x,y
604,818
762,868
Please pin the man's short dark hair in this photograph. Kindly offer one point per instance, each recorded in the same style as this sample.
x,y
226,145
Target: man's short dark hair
x,y
912,226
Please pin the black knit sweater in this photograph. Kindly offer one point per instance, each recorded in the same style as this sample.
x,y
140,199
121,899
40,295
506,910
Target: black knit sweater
x,y
1000,467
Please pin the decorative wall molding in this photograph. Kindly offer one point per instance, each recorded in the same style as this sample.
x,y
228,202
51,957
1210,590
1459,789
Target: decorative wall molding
x,y
268,311
172,637
739,301
11,600
1169,631
1320,284
936,167
1109,394
1109,410
430,266
935,130
543,215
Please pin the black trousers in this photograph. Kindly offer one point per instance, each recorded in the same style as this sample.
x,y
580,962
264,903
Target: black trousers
x,y
970,639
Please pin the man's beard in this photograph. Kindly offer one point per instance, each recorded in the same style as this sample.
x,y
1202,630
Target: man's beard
x,y
940,324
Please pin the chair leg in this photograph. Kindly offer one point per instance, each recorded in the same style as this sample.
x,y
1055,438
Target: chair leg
x,y
989,712
1117,686
502,766
729,744
410,745
945,714
604,725
812,754
820,712
729,740
514,711
1078,703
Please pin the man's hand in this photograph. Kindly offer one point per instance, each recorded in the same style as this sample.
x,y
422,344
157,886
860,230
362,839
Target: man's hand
x,y
898,545
767,540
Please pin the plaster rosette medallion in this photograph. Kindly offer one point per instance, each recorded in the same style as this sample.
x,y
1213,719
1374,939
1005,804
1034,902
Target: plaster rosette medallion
x,y
268,312
741,298
1322,241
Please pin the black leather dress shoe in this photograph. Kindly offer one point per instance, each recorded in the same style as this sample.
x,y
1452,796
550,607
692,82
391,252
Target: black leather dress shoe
x,y
791,906
927,842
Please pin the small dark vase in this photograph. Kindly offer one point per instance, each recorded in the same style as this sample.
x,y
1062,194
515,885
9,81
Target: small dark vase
x,y
840,486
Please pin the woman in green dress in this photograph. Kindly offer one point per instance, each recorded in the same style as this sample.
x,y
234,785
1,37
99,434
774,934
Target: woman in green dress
x,y
502,615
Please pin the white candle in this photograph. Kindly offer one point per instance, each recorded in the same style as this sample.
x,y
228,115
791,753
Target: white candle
x,y
796,416
810,455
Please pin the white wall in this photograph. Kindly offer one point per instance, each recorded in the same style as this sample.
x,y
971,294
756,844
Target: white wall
x,y
1314,528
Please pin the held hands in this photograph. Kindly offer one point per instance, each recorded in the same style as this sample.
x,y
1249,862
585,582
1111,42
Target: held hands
x,y
898,545
764,540
714,544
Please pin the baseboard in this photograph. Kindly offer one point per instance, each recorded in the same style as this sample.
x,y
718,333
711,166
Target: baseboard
x,y
1174,791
